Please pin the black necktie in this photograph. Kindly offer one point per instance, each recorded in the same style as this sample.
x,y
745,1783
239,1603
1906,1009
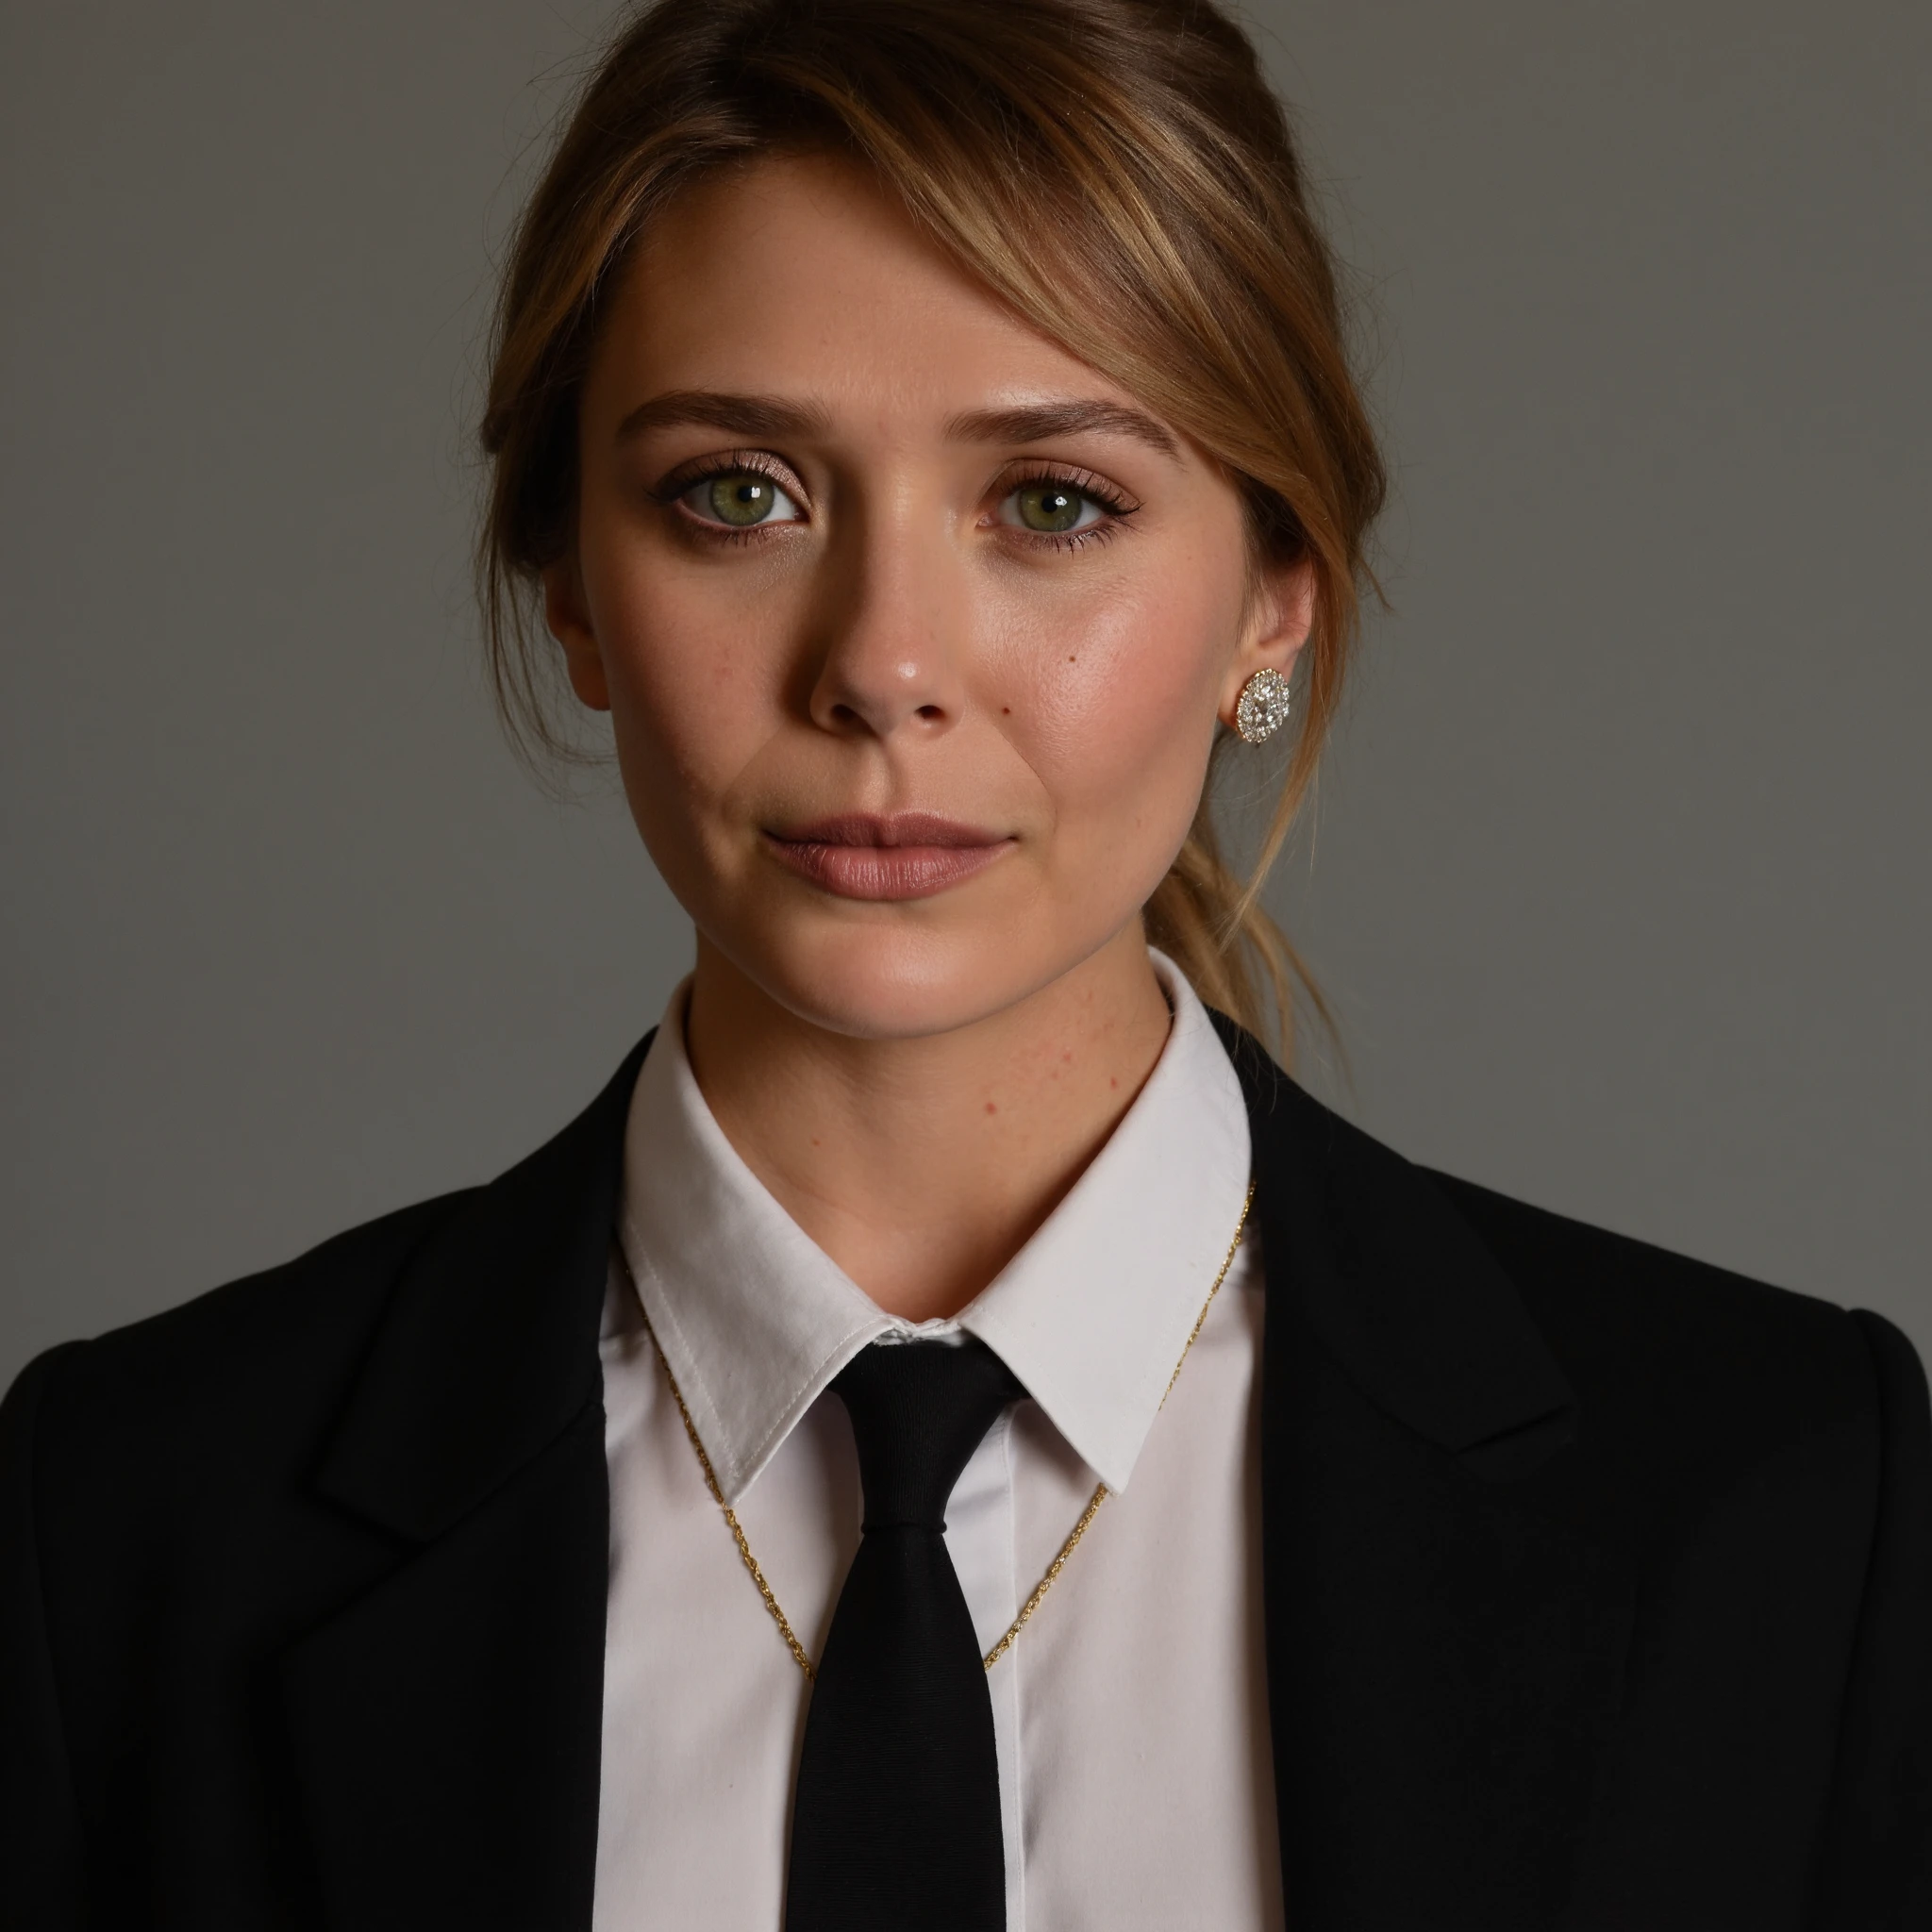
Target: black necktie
x,y
897,1824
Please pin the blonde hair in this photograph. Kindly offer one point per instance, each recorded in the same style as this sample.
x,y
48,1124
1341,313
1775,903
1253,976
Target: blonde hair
x,y
1118,171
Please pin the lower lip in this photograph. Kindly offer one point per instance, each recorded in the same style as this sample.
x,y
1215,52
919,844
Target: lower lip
x,y
885,872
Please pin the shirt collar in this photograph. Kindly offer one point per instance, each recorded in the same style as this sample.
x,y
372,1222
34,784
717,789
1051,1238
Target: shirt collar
x,y
755,1320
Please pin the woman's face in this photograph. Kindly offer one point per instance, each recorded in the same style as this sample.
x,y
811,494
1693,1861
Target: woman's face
x,y
914,628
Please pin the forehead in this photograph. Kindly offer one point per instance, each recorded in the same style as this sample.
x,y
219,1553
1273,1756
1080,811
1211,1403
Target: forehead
x,y
798,275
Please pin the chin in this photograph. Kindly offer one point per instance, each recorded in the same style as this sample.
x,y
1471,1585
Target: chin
x,y
889,981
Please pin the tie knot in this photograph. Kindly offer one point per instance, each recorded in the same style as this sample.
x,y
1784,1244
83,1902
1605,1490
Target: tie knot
x,y
919,1409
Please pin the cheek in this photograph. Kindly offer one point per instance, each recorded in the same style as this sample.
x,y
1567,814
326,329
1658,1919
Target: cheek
x,y
692,698
1115,702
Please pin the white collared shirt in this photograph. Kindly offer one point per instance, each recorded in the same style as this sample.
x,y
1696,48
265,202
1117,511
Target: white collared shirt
x,y
1135,1783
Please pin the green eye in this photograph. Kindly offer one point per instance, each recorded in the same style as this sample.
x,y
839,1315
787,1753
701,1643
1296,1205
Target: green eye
x,y
738,499
741,498
1049,506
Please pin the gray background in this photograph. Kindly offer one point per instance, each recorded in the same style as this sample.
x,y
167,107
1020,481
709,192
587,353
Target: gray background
x,y
1618,879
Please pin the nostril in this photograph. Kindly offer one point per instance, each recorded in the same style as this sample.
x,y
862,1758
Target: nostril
x,y
931,713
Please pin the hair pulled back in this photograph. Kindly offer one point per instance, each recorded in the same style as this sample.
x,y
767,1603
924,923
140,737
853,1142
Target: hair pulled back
x,y
1118,171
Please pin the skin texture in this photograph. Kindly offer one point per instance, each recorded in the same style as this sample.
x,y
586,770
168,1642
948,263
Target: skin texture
x,y
917,1079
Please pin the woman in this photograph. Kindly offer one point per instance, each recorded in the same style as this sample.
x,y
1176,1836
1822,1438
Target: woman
x,y
926,428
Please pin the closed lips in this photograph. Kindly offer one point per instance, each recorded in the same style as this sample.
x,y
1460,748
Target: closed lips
x,y
906,856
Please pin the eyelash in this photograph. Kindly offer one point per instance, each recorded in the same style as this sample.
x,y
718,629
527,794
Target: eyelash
x,y
755,462
733,463
1084,483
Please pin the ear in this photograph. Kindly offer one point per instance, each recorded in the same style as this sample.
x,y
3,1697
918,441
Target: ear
x,y
1281,614
567,617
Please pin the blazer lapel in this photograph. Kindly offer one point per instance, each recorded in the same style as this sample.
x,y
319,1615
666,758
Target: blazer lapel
x,y
446,1725
1444,1642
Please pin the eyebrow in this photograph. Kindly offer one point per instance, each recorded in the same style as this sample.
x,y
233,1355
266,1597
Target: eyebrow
x,y
742,415
765,417
1042,422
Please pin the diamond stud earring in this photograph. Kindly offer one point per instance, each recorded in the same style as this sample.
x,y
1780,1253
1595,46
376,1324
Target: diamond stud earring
x,y
1263,706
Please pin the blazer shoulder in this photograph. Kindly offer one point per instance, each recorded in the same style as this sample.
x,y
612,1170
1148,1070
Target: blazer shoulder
x,y
1535,1242
268,1348
1649,1331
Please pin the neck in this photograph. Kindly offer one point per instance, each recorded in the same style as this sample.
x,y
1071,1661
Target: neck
x,y
922,1166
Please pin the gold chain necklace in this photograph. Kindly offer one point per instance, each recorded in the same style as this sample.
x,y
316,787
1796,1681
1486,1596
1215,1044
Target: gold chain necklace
x,y
1053,1569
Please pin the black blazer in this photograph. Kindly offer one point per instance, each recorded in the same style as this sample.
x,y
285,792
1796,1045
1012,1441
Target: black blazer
x,y
1598,1582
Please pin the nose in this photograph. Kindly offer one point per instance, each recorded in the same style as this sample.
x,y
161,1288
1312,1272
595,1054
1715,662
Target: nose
x,y
892,638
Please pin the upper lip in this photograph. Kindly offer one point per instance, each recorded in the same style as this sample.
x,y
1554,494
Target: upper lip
x,y
887,830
